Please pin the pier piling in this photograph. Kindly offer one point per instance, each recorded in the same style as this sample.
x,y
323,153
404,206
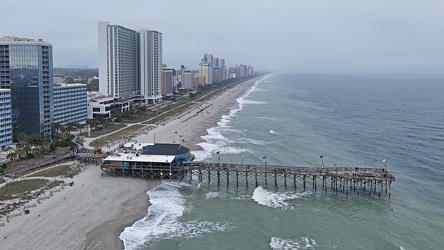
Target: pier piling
x,y
340,179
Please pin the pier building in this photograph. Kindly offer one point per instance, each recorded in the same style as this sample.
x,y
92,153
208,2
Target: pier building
x,y
147,157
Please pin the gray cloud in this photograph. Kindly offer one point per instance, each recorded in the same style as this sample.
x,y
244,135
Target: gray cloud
x,y
342,36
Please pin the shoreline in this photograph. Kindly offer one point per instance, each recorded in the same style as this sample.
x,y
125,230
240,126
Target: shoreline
x,y
95,211
104,235
191,128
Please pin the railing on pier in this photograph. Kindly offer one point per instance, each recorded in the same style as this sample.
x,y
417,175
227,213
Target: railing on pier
x,y
345,179
342,172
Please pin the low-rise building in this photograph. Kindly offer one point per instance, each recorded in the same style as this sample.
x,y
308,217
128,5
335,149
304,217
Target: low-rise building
x,y
148,155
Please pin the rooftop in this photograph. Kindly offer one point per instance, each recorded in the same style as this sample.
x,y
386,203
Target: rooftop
x,y
13,40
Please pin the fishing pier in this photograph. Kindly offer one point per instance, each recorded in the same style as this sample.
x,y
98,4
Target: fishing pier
x,y
365,181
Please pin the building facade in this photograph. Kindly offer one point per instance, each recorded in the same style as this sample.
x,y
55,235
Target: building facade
x,y
5,118
26,68
151,65
118,60
198,81
188,80
206,68
70,104
168,81
130,63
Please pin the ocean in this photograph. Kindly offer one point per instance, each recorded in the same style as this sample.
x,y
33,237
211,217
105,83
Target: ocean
x,y
292,119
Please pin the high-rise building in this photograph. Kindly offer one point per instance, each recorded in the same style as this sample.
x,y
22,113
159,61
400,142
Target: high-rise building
x,y
130,63
5,118
118,61
188,80
26,68
206,68
223,69
151,65
168,81
70,103
241,70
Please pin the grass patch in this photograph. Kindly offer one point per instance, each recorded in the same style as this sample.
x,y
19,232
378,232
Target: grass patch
x,y
60,171
121,134
178,110
15,194
18,189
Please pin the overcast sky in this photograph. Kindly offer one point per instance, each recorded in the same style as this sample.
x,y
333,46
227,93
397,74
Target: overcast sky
x,y
308,36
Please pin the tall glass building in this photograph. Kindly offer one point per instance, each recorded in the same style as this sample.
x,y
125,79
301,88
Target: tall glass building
x,y
26,68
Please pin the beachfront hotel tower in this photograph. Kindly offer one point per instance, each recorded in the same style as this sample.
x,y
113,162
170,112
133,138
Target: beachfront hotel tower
x,y
5,118
130,63
26,69
70,103
151,65
206,68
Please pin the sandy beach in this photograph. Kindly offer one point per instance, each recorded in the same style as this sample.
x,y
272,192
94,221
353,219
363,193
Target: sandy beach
x,y
191,126
92,213
71,219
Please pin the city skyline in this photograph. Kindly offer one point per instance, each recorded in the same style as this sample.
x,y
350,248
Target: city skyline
x,y
299,36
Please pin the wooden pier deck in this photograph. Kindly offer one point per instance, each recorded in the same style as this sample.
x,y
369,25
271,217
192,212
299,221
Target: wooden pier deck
x,y
360,180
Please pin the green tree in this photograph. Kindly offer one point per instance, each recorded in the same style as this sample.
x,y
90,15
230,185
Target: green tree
x,y
46,145
11,156
3,167
22,137
39,150
57,127
27,149
20,153
92,123
34,138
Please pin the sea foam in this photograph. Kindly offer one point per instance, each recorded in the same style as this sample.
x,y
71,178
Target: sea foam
x,y
275,200
302,243
214,140
212,195
162,222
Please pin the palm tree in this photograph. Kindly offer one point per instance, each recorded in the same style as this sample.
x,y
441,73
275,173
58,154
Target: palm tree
x,y
39,150
11,156
27,149
20,152
57,127
46,145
